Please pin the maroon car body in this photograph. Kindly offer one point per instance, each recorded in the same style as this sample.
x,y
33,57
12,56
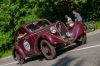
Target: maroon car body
x,y
42,37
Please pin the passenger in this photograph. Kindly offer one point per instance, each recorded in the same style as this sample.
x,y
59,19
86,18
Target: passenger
x,y
77,16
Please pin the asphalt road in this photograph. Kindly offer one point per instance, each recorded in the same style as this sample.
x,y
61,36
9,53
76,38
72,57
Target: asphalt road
x,y
84,55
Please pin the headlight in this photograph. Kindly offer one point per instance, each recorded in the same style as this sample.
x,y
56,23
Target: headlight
x,y
53,30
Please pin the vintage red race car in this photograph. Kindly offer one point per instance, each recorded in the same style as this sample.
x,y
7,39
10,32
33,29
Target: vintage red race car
x,y
43,37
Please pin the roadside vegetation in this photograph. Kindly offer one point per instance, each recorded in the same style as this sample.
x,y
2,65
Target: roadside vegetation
x,y
98,24
5,54
14,13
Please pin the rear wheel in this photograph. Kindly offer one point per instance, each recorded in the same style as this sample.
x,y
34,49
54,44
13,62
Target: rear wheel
x,y
81,40
48,50
19,58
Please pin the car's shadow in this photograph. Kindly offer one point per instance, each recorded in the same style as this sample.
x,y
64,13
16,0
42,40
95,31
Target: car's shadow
x,y
60,52
40,58
67,48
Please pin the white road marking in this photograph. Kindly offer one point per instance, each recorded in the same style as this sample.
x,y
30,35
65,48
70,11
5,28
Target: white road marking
x,y
8,64
69,51
85,48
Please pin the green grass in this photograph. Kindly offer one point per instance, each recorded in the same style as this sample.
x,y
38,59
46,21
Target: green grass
x,y
98,24
5,54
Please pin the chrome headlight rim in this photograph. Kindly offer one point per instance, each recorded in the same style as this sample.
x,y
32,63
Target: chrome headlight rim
x,y
53,30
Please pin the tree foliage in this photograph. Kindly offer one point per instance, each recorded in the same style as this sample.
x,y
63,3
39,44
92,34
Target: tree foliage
x,y
90,9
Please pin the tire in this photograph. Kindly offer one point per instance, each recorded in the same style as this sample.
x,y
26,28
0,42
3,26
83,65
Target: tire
x,y
19,58
82,40
47,49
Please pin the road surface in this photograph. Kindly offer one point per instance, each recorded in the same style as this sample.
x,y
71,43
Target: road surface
x,y
84,55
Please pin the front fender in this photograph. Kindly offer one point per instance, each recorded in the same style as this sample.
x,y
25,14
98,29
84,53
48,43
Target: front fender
x,y
18,49
78,31
52,38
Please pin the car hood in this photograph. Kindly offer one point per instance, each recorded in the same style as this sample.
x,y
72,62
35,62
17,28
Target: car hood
x,y
44,29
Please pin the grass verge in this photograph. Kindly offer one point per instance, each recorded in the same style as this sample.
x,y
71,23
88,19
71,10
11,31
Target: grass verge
x,y
97,24
5,54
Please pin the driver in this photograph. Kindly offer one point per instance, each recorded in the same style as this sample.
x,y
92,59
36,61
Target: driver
x,y
69,20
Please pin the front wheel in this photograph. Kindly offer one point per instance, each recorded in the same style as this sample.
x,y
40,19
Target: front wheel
x,y
81,40
48,50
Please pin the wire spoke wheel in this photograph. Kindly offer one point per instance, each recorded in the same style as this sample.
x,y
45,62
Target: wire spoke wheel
x,y
81,40
48,50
